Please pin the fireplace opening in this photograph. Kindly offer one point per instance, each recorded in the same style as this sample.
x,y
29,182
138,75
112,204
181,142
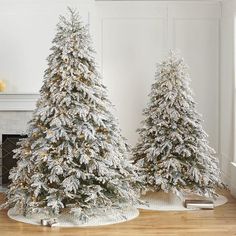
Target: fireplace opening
x,y
9,143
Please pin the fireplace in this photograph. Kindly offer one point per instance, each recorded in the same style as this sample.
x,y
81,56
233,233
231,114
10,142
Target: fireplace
x,y
15,112
9,143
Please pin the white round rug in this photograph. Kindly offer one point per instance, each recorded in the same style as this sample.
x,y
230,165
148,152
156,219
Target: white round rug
x,y
112,216
162,201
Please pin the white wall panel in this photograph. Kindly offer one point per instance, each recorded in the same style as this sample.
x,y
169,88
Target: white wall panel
x,y
133,39
194,29
134,36
198,40
128,67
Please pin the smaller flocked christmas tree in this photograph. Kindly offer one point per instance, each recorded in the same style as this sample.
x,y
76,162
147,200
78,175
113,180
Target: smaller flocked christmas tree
x,y
173,150
75,156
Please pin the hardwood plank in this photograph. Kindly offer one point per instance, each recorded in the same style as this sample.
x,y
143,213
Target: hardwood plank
x,y
221,221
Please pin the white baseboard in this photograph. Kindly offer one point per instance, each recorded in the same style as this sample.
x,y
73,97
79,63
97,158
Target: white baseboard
x,y
3,189
233,179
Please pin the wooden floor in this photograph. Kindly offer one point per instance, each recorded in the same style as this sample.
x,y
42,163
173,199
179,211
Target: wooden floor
x,y
221,221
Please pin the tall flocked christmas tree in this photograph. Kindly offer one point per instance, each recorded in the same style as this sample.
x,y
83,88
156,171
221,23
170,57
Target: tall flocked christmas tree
x,y
173,150
74,156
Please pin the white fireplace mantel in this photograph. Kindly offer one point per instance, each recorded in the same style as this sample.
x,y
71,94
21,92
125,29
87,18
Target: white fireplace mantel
x,y
18,102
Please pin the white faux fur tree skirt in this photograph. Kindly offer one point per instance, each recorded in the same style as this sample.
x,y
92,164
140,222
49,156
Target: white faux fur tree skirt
x,y
112,216
162,201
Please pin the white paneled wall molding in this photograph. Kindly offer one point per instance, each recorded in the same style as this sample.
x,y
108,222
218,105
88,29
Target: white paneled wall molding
x,y
132,36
